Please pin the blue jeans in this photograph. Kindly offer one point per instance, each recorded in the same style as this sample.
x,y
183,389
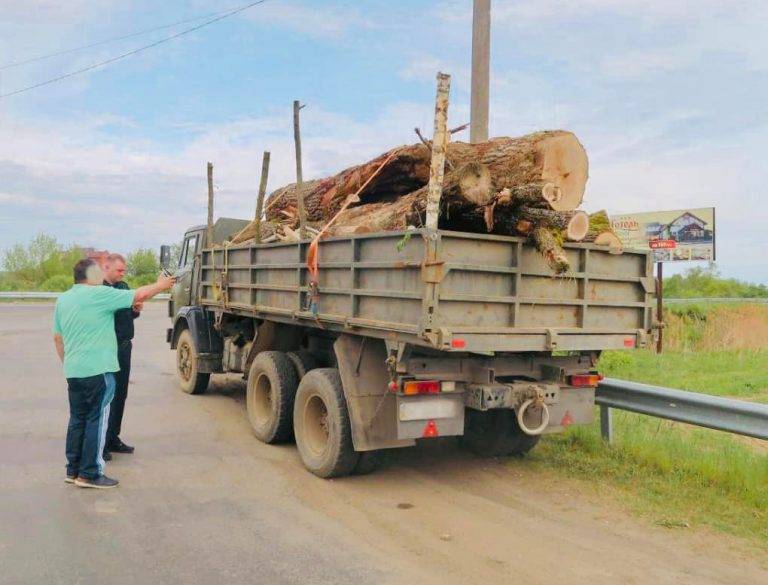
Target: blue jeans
x,y
89,400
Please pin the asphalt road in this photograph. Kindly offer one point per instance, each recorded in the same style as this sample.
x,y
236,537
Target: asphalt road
x,y
201,501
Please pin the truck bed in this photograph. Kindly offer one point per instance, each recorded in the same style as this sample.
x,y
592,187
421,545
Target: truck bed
x,y
473,293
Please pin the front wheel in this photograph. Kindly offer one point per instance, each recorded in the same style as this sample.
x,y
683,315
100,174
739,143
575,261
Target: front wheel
x,y
191,380
321,425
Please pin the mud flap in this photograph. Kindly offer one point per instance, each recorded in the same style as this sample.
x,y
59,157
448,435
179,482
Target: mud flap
x,y
372,407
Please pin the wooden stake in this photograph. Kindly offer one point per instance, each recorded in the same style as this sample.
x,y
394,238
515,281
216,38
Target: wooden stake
x,y
209,234
481,56
262,192
439,146
299,173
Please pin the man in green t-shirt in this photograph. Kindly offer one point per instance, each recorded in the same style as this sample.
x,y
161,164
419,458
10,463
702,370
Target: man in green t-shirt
x,y
84,334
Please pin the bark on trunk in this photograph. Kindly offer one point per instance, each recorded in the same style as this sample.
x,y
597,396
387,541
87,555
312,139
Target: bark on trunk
x,y
553,253
548,168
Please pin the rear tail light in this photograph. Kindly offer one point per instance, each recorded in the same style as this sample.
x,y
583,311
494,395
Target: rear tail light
x,y
585,380
421,387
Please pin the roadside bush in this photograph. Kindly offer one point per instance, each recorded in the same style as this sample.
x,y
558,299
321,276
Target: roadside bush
x,y
706,282
57,283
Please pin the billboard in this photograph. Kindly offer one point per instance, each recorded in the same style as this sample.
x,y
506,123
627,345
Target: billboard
x,y
674,236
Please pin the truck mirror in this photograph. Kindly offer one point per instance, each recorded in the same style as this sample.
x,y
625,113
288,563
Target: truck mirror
x,y
165,256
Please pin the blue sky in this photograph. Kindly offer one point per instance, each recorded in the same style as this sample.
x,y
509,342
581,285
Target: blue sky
x,y
668,101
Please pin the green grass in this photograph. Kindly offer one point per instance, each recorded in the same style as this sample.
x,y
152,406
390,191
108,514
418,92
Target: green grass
x,y
739,374
675,475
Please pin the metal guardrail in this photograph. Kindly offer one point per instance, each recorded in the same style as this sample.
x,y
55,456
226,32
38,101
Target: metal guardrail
x,y
21,296
723,414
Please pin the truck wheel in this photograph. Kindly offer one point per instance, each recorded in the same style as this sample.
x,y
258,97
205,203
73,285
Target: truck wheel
x,y
269,397
369,461
496,433
321,425
191,380
303,361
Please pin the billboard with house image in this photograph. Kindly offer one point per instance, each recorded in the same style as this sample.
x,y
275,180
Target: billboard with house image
x,y
674,236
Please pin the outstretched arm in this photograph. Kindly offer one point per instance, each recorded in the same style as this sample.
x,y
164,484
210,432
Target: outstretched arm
x,y
147,292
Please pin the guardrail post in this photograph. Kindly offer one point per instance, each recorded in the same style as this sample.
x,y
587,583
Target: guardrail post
x,y
606,424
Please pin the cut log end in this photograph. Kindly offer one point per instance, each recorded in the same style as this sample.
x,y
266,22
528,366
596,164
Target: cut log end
x,y
609,239
577,227
475,183
564,165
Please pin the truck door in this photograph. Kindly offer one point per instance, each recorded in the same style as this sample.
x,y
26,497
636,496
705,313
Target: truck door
x,y
181,292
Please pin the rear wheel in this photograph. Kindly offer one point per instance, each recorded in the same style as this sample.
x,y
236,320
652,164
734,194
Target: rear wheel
x,y
270,394
321,425
191,380
496,433
302,361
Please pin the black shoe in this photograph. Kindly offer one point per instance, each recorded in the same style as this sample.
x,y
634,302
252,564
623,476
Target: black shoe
x,y
100,483
106,455
70,478
117,446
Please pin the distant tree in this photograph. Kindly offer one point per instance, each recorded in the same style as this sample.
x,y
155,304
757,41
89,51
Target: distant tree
x,y
23,264
142,267
43,264
706,282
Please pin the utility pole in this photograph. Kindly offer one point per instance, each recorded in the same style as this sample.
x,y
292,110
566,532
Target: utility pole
x,y
481,56
209,230
299,172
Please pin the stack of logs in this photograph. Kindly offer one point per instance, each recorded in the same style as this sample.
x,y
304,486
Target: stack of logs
x,y
530,186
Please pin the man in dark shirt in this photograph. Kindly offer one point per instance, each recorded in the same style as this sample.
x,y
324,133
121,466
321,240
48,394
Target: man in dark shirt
x,y
114,272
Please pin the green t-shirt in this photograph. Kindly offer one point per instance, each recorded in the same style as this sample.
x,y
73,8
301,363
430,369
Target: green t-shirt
x,y
85,319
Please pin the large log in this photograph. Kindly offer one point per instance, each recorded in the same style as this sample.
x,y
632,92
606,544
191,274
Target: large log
x,y
548,167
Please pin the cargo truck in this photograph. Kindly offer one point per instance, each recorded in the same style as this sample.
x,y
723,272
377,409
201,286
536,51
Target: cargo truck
x,y
404,336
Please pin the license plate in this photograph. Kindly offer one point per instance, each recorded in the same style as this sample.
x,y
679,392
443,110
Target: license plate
x,y
428,408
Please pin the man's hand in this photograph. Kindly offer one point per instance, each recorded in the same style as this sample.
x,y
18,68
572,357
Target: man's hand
x,y
165,282
138,307
144,293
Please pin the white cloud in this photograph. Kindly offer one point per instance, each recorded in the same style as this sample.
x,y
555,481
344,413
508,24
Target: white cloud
x,y
74,181
311,19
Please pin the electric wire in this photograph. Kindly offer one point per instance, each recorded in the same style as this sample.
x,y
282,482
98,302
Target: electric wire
x,y
107,41
132,52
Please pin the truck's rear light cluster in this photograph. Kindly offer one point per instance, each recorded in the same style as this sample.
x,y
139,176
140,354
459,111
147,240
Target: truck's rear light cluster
x,y
585,380
458,343
421,387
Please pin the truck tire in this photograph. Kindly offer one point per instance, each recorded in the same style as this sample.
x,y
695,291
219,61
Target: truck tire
x,y
191,380
369,461
321,425
270,394
496,433
303,361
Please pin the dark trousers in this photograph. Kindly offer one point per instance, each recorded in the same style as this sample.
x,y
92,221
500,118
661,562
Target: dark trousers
x,y
121,391
89,400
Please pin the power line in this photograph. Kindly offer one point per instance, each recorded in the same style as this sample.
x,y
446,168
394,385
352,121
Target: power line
x,y
134,51
107,41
